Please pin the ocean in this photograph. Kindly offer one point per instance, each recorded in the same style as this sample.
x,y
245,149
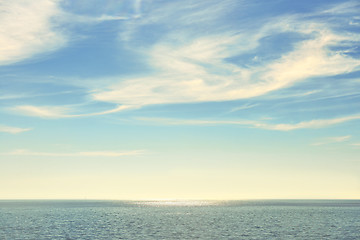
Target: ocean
x,y
268,219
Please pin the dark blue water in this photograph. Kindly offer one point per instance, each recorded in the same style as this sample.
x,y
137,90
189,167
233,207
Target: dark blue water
x,y
283,219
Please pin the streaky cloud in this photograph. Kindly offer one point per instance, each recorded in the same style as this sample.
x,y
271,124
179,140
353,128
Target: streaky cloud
x,y
55,112
317,123
13,130
243,107
22,152
192,68
41,111
82,19
330,140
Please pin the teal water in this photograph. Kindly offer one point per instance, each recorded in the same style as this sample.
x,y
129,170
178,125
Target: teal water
x,y
271,219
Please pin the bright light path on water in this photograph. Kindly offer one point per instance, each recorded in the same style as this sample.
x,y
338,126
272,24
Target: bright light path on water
x,y
174,202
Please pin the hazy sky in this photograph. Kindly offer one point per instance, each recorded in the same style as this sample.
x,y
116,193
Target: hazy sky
x,y
205,99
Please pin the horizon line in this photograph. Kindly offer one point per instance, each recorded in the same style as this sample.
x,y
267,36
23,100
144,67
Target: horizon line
x,y
167,199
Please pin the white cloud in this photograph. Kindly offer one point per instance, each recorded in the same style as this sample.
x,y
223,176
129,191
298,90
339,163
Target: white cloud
x,y
43,111
332,140
171,121
197,73
83,19
340,139
27,29
317,123
60,111
4,96
243,107
22,152
114,110
311,58
13,130
194,68
110,18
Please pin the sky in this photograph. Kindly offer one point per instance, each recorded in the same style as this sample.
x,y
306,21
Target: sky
x,y
180,99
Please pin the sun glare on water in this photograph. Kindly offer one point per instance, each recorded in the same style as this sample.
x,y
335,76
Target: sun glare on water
x,y
180,203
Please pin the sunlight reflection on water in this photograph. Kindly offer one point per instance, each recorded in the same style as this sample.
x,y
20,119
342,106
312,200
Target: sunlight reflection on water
x,y
180,203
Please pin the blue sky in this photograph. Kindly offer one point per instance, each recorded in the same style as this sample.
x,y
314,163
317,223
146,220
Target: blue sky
x,y
179,99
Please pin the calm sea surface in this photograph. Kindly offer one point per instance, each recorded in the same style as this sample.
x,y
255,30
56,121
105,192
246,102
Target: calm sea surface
x,y
283,219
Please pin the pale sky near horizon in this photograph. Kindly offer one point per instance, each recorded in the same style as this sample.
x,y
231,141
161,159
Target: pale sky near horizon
x,y
160,99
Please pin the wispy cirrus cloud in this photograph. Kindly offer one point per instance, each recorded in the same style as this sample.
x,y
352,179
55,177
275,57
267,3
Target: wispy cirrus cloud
x,y
195,68
27,29
188,65
13,130
43,111
80,19
22,152
55,112
243,107
317,123
330,140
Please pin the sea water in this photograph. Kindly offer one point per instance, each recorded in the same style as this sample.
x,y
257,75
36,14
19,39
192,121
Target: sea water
x,y
271,219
